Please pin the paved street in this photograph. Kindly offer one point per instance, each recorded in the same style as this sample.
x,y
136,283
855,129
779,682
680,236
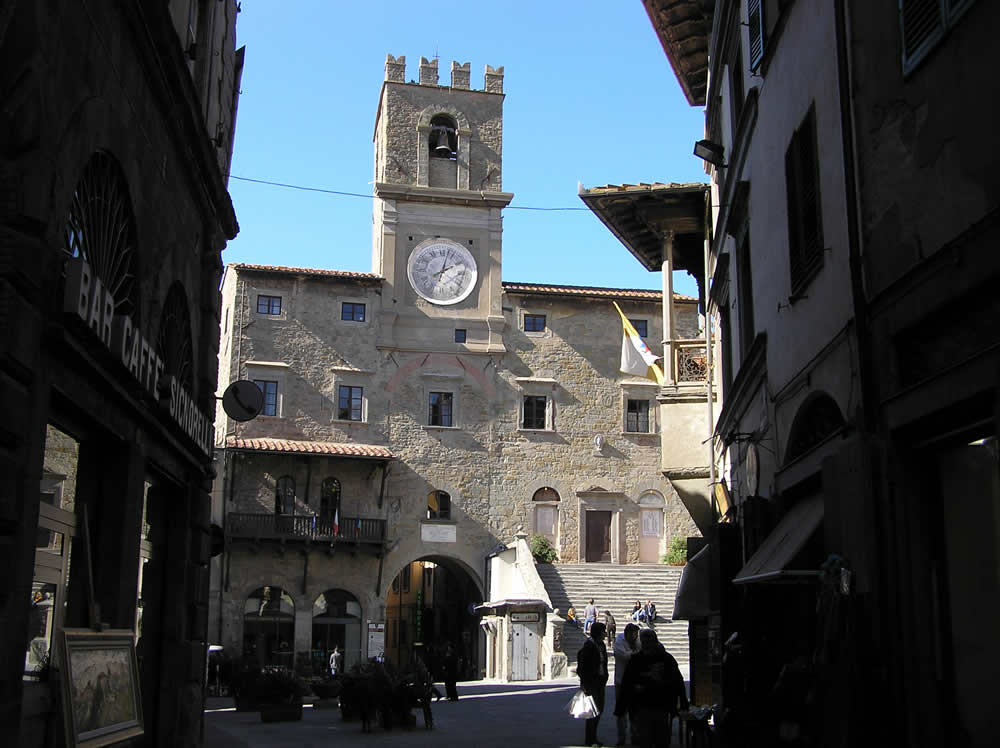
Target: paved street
x,y
487,714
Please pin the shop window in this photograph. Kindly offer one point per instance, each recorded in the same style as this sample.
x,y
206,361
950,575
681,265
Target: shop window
x,y
534,323
349,403
269,305
440,409
351,311
438,505
284,495
637,416
269,389
269,627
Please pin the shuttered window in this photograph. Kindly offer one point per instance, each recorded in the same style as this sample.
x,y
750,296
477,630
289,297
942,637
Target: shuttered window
x,y
755,19
924,23
805,226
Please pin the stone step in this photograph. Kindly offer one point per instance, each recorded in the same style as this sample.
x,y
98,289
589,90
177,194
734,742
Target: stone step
x,y
616,587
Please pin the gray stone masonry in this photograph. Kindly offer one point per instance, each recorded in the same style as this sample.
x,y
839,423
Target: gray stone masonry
x,y
428,72
461,74
494,79
395,68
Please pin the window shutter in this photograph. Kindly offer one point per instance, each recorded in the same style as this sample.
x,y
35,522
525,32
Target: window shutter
x,y
755,17
922,26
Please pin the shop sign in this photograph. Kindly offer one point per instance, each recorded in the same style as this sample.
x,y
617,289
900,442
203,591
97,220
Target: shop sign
x,y
88,297
524,617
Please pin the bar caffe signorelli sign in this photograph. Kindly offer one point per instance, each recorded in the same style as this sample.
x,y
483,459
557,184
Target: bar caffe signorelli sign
x,y
88,297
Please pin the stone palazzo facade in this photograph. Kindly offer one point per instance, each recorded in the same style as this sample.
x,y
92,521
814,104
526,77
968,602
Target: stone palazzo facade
x,y
428,412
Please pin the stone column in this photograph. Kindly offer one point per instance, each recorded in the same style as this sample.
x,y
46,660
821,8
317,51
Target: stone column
x,y
669,372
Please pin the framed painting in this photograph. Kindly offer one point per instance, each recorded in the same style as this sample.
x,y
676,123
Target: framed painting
x,y
101,703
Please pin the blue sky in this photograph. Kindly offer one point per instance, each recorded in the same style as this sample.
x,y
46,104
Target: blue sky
x,y
591,98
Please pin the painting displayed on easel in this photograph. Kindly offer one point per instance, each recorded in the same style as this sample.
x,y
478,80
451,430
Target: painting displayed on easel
x,y
100,687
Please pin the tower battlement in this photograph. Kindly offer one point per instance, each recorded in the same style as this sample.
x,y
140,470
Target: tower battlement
x,y
461,74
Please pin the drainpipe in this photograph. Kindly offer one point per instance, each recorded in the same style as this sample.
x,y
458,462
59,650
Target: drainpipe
x,y
709,363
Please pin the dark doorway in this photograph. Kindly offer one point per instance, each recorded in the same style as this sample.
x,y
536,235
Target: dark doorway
x,y
598,537
429,605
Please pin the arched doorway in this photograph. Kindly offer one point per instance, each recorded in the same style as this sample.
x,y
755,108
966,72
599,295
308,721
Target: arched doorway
x,y
269,627
336,621
429,604
651,506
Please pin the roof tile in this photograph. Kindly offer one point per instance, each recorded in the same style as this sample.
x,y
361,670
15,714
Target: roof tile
x,y
292,446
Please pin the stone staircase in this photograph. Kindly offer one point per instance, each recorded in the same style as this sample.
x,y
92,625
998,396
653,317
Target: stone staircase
x,y
616,587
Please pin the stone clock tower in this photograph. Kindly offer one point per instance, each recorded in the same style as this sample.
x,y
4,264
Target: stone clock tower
x,y
437,212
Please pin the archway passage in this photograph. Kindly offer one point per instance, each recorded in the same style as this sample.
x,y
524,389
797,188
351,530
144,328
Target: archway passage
x,y
269,626
430,604
336,622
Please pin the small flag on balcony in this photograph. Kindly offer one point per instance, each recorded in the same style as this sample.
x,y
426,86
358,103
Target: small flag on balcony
x,y
357,527
636,357
336,521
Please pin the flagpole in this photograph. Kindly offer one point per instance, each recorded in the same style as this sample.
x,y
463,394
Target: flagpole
x,y
668,309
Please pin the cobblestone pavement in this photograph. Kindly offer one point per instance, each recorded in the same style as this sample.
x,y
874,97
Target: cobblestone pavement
x,y
488,714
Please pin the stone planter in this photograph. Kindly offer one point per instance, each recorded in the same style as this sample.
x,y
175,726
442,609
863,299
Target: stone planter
x,y
280,712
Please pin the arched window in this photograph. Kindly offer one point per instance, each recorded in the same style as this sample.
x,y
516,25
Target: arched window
x,y
336,622
438,505
818,418
546,494
101,229
269,627
547,513
443,141
284,495
329,498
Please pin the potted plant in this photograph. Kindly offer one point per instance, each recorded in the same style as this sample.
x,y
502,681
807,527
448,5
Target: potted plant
x,y
278,693
242,679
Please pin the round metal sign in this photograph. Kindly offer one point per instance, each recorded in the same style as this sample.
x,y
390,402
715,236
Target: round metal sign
x,y
242,400
752,468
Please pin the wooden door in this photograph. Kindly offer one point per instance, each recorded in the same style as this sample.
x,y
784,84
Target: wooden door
x,y
598,536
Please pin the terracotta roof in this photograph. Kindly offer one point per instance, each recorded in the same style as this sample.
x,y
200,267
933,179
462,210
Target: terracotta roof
x,y
638,294
291,446
306,271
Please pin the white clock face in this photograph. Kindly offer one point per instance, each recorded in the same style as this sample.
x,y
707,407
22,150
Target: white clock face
x,y
442,271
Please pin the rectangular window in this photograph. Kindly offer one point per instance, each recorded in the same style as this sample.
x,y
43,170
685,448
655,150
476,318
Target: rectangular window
x,y
745,295
459,335
545,520
924,23
534,412
755,18
637,416
270,392
349,401
805,227
440,409
534,323
352,312
268,304
737,93
641,327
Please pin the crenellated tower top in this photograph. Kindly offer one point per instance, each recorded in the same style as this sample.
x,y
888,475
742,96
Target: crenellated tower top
x,y
461,74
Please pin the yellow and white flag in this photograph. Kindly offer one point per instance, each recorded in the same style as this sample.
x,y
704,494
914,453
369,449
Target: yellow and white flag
x,y
636,357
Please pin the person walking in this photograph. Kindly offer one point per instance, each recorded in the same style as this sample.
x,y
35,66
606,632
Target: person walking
x,y
626,645
336,662
652,689
592,669
450,662
589,616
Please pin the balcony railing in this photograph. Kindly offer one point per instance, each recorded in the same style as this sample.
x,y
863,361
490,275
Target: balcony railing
x,y
690,361
304,527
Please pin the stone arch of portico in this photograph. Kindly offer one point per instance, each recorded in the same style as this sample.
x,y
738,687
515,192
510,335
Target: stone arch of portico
x,y
464,132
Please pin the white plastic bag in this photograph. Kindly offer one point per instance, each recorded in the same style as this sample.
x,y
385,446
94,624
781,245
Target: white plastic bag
x,y
582,706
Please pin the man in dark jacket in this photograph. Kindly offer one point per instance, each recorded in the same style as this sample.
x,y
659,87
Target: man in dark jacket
x,y
592,669
652,689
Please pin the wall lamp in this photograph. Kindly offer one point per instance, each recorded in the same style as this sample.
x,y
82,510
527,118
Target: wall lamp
x,y
711,152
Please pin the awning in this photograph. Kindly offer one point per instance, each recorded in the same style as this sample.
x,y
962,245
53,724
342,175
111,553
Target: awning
x,y
692,599
769,562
